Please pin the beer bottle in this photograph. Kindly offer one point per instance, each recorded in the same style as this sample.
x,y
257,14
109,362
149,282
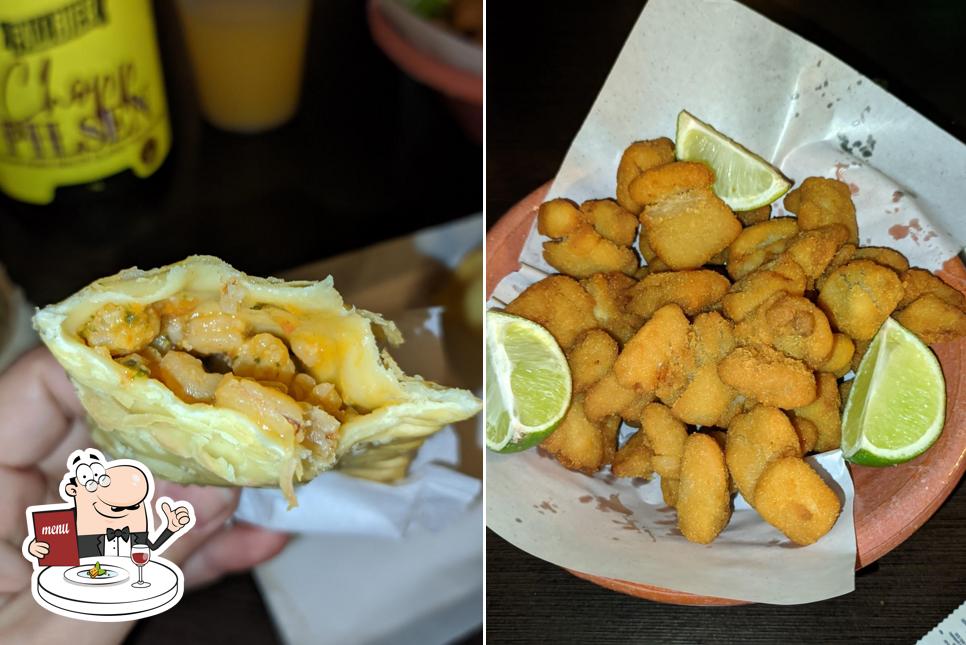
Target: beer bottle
x,y
82,98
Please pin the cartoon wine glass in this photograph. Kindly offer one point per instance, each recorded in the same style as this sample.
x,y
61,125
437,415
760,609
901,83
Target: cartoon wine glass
x,y
140,554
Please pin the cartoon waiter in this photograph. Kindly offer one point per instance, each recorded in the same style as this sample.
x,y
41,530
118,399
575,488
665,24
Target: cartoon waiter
x,y
110,501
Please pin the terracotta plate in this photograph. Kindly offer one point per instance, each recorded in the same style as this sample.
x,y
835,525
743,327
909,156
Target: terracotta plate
x,y
890,503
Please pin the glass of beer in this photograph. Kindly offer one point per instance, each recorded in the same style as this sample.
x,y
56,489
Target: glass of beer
x,y
248,57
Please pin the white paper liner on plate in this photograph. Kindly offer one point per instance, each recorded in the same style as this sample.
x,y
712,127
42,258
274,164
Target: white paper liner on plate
x,y
811,115
433,39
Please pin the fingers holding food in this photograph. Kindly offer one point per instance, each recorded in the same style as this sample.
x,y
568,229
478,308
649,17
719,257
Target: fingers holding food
x,y
703,496
559,304
754,440
859,296
819,202
794,499
768,376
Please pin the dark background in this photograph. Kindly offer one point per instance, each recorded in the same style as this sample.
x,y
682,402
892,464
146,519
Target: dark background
x,y
546,61
370,156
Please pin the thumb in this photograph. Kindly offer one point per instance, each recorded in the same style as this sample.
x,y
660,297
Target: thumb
x,y
165,508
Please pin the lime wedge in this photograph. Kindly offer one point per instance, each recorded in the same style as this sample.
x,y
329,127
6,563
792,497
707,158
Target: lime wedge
x,y
528,382
897,406
743,180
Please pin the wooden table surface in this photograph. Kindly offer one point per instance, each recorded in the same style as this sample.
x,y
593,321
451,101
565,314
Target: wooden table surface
x,y
546,62
371,155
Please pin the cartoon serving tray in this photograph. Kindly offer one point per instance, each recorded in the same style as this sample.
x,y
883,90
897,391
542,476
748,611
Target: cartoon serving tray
x,y
85,552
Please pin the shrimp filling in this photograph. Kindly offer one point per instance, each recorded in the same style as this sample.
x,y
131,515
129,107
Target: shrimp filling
x,y
252,358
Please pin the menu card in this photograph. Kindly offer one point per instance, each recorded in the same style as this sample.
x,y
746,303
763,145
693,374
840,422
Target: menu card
x,y
57,529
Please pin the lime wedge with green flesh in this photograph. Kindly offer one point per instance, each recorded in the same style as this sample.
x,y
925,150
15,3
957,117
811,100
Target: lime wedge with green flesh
x,y
897,405
528,383
743,180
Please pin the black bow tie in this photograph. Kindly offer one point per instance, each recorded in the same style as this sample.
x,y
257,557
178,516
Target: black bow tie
x,y
124,534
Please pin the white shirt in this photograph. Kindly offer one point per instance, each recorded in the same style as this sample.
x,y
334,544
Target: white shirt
x,y
118,546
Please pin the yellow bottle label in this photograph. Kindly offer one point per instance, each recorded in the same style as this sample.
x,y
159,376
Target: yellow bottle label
x,y
81,94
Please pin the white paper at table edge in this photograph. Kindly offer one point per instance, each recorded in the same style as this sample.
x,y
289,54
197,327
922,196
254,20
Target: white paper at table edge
x,y
947,146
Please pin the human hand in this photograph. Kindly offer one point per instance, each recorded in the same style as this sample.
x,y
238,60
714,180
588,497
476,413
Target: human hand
x,y
177,517
38,549
41,423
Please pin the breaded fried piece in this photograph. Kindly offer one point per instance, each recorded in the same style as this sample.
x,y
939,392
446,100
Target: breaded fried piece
x,y
796,501
768,376
634,459
591,240
883,255
819,202
919,282
610,430
739,403
825,412
759,243
577,443
839,361
658,357
842,256
750,218
610,292
559,304
703,497
933,319
754,440
607,398
861,346
706,398
859,296
748,293
807,434
669,490
790,324
813,250
685,222
590,358
637,158
693,291
666,436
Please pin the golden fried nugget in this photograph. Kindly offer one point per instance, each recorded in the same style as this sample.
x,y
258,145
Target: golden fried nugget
x,y
807,434
666,435
610,292
759,243
685,222
795,500
739,403
634,459
791,324
559,304
657,358
883,255
819,202
859,296
757,216
577,443
610,430
919,282
721,437
748,293
842,256
637,158
825,412
607,398
813,250
933,319
768,376
703,496
754,440
669,489
839,361
693,291
706,398
590,358
582,238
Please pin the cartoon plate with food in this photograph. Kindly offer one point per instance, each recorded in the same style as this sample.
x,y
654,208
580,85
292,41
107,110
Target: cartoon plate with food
x,y
86,552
